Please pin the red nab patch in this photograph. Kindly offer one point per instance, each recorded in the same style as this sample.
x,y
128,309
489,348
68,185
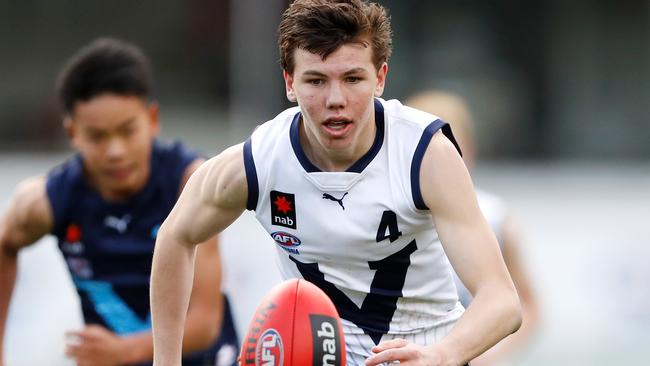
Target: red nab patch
x,y
283,209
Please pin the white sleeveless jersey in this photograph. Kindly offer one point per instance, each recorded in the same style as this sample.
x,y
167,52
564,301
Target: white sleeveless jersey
x,y
364,236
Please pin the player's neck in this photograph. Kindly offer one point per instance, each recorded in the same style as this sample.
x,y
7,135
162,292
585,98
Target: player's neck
x,y
121,194
338,160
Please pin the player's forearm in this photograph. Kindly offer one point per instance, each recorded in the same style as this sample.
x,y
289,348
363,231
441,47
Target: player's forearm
x,y
171,283
510,345
8,268
494,314
205,314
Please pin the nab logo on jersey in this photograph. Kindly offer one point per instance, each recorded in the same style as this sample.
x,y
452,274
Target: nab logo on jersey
x,y
283,209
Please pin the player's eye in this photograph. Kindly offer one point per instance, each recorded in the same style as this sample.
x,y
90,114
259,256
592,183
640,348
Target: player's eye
x,y
353,79
96,137
128,131
315,81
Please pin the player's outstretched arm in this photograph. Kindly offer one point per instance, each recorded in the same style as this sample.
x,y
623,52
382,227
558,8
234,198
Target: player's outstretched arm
x,y
212,199
27,219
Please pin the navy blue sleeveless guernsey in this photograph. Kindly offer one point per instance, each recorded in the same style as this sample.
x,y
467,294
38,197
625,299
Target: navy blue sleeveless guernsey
x,y
108,246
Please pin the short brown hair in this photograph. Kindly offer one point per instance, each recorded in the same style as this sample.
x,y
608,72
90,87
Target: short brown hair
x,y
322,26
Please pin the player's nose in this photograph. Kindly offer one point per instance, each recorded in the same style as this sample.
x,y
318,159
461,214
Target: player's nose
x,y
116,149
335,96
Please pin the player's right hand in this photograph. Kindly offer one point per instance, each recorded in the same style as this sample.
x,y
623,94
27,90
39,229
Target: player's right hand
x,y
95,345
405,353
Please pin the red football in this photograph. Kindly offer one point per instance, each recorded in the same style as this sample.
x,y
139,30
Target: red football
x,y
296,324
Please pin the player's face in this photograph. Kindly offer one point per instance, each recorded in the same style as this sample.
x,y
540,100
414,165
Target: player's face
x,y
114,134
336,98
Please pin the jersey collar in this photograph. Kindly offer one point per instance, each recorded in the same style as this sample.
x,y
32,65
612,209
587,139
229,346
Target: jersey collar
x,y
360,164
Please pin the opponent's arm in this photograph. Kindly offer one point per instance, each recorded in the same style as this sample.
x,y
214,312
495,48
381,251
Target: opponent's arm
x,y
213,198
27,219
474,253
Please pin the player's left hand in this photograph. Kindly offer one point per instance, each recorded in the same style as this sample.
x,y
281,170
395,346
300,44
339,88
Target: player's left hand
x,y
408,354
96,346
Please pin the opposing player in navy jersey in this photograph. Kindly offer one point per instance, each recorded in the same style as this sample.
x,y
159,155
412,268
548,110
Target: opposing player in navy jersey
x,y
105,206
366,198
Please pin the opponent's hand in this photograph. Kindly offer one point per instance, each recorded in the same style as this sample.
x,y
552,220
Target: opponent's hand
x,y
96,346
408,354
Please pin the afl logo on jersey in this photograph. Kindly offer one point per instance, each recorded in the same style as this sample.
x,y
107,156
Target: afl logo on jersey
x,y
269,350
286,241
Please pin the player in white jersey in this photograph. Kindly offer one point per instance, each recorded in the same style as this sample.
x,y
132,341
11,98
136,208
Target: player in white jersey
x,y
364,197
453,108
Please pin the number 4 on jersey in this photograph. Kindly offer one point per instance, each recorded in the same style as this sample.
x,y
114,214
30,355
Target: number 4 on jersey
x,y
388,223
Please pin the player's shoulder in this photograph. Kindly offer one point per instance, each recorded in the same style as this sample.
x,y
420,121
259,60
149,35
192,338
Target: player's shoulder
x,y
277,124
65,181
67,172
173,151
30,200
414,129
228,163
226,173
404,117
30,188
173,162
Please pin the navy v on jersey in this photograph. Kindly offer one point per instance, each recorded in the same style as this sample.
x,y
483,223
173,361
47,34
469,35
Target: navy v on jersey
x,y
108,246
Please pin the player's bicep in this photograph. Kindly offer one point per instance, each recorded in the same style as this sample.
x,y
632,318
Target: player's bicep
x,y
466,237
29,216
214,197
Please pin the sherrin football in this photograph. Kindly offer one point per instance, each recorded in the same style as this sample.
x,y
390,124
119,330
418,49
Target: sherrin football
x,y
296,324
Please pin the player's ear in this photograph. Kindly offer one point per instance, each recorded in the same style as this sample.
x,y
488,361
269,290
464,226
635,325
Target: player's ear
x,y
288,84
381,79
70,130
153,110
